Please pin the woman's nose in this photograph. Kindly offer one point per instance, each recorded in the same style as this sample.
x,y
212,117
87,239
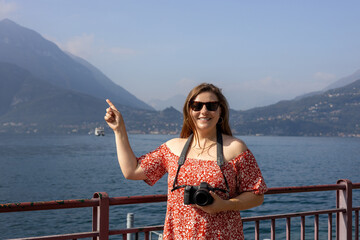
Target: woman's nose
x,y
204,109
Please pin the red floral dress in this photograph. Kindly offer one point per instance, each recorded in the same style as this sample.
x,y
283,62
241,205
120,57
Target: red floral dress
x,y
187,222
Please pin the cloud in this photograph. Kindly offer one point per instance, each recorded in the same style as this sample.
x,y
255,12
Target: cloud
x,y
265,84
186,82
88,47
7,9
184,85
324,76
82,46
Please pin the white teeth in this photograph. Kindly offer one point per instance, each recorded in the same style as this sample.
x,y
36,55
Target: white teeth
x,y
204,118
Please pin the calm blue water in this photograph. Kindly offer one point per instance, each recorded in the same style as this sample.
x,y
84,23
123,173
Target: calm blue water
x,y
43,168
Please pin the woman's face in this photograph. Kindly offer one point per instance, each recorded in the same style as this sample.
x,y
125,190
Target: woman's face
x,y
205,119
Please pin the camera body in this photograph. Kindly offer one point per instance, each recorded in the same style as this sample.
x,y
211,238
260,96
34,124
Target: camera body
x,y
198,194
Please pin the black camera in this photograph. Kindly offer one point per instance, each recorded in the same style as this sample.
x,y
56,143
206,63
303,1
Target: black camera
x,y
198,194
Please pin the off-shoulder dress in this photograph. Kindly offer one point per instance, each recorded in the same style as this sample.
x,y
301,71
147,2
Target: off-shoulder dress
x,y
187,222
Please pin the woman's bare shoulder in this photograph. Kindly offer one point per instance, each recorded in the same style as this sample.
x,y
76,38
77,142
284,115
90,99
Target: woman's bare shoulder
x,y
176,145
233,147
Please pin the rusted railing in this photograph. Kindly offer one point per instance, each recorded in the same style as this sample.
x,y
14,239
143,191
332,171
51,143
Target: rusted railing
x,y
101,202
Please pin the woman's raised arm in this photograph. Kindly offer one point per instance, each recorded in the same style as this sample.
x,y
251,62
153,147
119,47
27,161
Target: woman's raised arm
x,y
126,157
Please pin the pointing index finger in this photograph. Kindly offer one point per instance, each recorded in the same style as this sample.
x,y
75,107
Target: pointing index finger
x,y
111,104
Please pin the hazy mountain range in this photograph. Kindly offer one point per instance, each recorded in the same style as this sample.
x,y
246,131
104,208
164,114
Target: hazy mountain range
x,y
31,105
45,90
337,84
44,60
335,112
178,101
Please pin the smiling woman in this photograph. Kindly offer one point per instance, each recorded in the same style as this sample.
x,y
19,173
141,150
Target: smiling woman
x,y
211,174
209,93
205,117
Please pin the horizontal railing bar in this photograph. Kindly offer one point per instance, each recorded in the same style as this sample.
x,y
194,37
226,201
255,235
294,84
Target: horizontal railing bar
x,y
81,203
62,236
136,230
57,204
137,199
314,188
297,214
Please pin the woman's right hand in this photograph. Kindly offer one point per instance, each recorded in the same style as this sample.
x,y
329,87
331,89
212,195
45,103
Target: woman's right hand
x,y
126,157
113,117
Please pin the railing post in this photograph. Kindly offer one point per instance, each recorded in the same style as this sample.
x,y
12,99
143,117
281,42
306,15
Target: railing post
x,y
130,224
288,228
101,216
302,233
329,226
316,227
273,229
344,219
257,230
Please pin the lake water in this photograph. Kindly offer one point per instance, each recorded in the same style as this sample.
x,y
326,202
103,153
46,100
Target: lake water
x,y
44,168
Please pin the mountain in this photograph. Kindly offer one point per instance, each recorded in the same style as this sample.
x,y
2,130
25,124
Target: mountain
x,y
344,81
44,90
176,102
44,60
337,84
335,112
31,105
26,100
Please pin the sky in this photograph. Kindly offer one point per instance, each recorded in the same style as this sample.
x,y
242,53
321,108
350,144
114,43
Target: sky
x,y
257,52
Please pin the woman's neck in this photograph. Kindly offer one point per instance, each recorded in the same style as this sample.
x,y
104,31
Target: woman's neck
x,y
204,139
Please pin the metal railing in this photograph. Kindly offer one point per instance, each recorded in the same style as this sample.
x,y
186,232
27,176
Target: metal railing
x,y
344,212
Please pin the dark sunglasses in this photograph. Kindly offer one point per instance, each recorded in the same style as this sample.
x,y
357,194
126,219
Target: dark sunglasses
x,y
210,106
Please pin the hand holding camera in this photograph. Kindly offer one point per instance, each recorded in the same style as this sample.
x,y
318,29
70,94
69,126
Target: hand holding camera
x,y
199,195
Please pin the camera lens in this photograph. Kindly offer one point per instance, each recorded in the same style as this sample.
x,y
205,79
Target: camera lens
x,y
202,198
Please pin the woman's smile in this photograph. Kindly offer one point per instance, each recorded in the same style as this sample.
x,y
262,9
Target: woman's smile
x,y
204,119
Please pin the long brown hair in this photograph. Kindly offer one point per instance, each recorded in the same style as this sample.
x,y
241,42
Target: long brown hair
x,y
188,124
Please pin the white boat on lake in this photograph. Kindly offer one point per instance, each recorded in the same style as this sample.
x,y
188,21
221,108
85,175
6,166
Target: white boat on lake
x,y
99,131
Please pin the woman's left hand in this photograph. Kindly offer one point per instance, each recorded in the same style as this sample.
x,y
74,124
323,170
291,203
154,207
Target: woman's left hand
x,y
245,200
218,205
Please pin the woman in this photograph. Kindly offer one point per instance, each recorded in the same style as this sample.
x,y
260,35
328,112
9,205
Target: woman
x,y
235,185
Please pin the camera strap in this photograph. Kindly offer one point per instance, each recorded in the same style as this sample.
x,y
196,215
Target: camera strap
x,y
219,160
